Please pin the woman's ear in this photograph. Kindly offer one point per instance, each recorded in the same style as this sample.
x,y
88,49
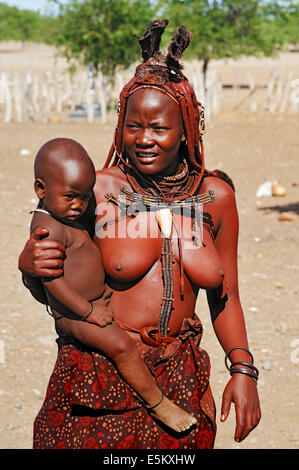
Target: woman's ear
x,y
183,138
40,188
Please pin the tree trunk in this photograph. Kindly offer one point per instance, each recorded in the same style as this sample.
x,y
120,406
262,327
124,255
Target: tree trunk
x,y
205,64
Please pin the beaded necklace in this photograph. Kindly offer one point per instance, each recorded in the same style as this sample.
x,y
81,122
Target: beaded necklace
x,y
146,198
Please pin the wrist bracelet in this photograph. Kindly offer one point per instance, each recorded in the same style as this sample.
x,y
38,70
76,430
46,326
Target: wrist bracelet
x,y
231,350
28,286
253,373
25,283
246,364
243,371
88,314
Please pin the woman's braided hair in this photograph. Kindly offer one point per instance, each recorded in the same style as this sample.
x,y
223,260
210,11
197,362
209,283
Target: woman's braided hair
x,y
165,73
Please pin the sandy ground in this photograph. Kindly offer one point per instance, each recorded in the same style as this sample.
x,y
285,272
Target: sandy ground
x,y
252,147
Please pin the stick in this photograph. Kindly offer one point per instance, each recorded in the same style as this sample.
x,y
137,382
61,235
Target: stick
x,y
7,95
101,97
247,96
286,93
253,105
18,98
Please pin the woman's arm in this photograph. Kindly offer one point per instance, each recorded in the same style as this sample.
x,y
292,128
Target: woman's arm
x,y
229,323
40,257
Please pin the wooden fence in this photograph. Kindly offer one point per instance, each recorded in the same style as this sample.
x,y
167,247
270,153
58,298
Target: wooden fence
x,y
35,97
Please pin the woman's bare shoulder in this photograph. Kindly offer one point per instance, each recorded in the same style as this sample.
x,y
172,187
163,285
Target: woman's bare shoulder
x,y
224,208
224,192
108,180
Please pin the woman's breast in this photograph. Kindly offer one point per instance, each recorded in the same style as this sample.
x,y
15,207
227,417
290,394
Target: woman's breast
x,y
129,248
132,247
201,263
127,260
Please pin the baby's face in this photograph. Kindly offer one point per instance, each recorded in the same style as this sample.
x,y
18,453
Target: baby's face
x,y
67,198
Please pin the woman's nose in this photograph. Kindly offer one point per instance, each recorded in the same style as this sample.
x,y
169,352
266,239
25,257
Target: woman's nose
x,y
144,138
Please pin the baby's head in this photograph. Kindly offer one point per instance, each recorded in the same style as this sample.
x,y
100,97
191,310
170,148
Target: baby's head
x,y
64,178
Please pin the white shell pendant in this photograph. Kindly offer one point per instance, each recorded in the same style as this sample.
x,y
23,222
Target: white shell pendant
x,y
164,219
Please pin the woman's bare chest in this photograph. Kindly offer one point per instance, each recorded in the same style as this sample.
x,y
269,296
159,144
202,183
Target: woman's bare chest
x,y
130,247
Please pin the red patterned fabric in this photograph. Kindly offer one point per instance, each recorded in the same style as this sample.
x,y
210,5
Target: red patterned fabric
x,y
89,406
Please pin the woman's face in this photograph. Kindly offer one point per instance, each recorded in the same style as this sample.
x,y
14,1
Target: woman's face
x,y
153,132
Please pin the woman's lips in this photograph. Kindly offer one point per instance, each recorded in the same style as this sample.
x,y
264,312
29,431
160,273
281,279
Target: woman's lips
x,y
146,158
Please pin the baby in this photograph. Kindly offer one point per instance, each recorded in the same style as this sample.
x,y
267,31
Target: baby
x,y
64,181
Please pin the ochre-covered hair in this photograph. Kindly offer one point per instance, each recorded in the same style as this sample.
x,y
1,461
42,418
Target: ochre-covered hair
x,y
165,73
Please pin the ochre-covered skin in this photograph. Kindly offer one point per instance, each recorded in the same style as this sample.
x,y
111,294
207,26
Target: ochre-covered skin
x,y
151,135
133,265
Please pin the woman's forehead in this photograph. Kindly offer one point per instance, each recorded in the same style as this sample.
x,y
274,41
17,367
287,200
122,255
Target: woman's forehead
x,y
152,100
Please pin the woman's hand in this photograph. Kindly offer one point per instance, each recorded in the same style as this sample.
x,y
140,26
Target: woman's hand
x,y
41,257
242,391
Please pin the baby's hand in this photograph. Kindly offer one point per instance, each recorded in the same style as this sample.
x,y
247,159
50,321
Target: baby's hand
x,y
101,315
105,299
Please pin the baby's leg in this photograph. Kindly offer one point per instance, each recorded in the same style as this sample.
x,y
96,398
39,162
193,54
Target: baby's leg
x,y
121,348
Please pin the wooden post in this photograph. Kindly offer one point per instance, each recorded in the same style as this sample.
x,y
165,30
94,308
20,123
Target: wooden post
x,y
18,98
46,105
7,95
236,87
207,86
28,96
275,103
89,100
294,96
270,89
120,84
286,94
35,95
217,96
101,97
252,87
69,96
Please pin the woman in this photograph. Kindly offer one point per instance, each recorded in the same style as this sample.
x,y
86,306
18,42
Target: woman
x,y
166,227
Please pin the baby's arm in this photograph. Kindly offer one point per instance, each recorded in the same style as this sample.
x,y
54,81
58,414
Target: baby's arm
x,y
84,310
63,292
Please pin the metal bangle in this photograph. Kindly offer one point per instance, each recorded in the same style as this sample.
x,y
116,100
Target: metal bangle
x,y
246,364
231,350
154,406
25,283
243,371
49,310
88,314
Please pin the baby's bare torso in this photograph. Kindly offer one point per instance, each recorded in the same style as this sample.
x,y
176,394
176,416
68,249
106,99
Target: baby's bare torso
x,y
83,267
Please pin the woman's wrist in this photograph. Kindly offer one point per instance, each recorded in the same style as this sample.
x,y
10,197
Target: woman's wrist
x,y
238,366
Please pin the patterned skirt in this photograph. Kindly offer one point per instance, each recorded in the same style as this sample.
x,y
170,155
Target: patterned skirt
x,y
89,406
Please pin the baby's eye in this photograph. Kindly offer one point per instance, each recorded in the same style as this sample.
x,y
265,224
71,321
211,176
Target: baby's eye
x,y
86,197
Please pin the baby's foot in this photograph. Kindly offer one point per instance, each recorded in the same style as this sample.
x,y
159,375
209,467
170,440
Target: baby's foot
x,y
172,415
